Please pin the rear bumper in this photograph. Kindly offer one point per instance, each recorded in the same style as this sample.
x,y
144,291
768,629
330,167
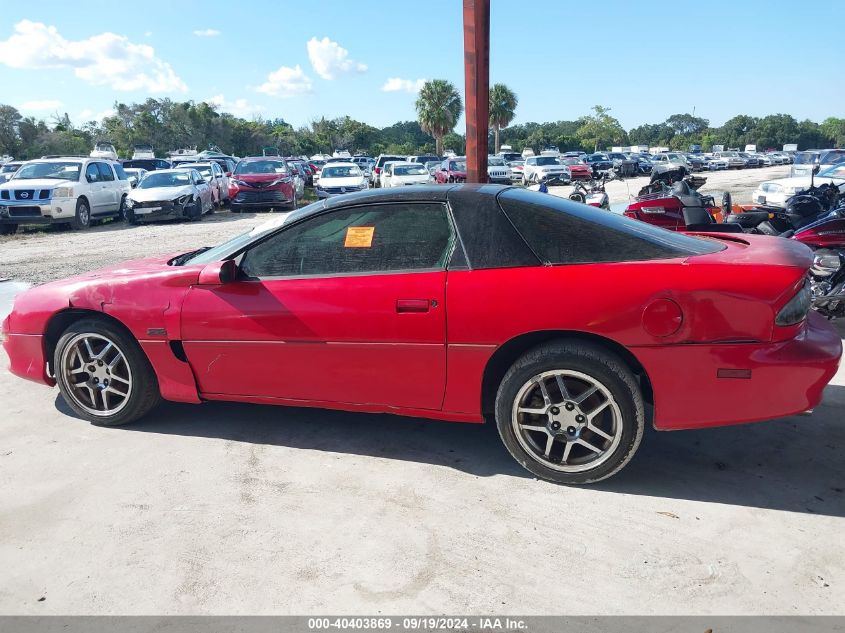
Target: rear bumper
x,y
786,378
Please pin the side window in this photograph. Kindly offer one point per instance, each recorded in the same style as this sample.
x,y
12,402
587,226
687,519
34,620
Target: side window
x,y
380,238
92,174
198,179
106,174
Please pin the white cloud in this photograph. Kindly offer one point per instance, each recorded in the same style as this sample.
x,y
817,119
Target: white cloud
x,y
395,84
287,82
330,59
41,104
207,33
148,34
105,59
238,107
89,115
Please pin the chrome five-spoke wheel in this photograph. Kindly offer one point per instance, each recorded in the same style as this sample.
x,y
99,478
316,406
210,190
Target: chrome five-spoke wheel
x,y
567,420
97,374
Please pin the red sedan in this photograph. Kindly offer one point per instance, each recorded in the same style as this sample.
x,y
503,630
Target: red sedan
x,y
572,327
578,169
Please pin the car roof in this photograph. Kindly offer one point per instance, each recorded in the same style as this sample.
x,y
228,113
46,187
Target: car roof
x,y
347,163
198,163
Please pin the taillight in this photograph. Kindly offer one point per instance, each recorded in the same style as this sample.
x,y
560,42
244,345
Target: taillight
x,y
377,171
796,310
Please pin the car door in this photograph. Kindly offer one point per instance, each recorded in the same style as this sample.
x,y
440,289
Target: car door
x,y
95,192
109,187
204,191
346,306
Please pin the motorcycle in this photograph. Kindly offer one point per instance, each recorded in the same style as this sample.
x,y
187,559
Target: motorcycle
x,y
593,194
812,217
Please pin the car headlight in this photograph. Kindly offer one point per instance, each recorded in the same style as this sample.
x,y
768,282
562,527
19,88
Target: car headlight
x,y
238,183
63,192
183,200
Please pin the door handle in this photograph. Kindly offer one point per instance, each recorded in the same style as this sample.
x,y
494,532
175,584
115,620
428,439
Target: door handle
x,y
412,305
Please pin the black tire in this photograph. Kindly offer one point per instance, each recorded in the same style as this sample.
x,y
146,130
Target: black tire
x,y
82,218
195,211
121,210
145,392
129,217
599,365
727,205
8,229
577,197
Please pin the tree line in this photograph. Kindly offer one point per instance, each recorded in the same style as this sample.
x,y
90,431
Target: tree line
x,y
169,125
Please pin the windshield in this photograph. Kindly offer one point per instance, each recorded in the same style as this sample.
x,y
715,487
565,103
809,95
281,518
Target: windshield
x,y
55,171
165,179
204,170
341,171
458,165
245,168
835,156
495,161
224,250
547,160
410,170
571,161
9,167
837,171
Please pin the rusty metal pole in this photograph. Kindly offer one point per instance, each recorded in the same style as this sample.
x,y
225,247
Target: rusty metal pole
x,y
477,84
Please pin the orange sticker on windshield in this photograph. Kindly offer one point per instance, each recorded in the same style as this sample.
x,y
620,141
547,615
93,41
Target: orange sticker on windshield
x,y
359,236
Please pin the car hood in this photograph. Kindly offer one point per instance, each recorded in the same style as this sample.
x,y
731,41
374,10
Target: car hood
x,y
351,181
37,183
160,193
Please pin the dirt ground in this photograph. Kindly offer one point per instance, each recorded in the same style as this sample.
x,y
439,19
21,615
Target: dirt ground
x,y
236,509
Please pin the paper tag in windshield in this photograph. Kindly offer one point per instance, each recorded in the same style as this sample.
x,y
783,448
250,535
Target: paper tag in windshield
x,y
359,236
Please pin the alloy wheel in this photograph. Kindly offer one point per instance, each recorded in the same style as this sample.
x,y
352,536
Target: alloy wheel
x,y
97,374
567,420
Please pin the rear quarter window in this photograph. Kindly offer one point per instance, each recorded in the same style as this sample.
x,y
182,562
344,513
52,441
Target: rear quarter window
x,y
561,232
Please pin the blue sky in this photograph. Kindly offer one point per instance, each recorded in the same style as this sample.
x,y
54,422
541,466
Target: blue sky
x,y
642,59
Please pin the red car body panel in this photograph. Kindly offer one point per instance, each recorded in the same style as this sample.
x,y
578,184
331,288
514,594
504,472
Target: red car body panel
x,y
419,343
580,171
444,176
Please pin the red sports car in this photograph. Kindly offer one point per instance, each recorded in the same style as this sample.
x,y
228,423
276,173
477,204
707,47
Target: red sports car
x,y
578,169
263,182
572,327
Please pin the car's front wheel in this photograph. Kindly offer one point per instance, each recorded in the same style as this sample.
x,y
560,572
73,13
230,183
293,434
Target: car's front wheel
x,y
570,412
82,217
103,374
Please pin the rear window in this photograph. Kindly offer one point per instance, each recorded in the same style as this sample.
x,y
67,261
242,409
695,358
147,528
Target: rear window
x,y
805,158
563,232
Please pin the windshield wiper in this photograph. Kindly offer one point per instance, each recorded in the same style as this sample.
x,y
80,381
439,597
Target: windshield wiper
x,y
182,259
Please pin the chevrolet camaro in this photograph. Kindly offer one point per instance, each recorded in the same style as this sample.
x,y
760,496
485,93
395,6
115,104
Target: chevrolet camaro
x,y
571,327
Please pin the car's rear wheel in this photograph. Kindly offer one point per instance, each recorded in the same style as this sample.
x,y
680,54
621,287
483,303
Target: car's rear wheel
x,y
8,229
103,374
82,218
570,412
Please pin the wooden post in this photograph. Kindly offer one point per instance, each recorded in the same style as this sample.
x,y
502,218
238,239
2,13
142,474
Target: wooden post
x,y
477,85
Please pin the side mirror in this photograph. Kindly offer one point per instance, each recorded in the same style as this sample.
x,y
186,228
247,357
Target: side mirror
x,y
218,273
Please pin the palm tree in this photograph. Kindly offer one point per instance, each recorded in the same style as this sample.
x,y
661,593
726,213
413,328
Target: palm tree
x,y
503,103
438,107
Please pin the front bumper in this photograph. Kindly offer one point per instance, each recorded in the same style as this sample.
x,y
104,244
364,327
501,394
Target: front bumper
x,y
37,211
166,210
27,355
786,378
263,198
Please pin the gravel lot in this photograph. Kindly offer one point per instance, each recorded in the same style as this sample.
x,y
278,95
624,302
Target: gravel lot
x,y
228,508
